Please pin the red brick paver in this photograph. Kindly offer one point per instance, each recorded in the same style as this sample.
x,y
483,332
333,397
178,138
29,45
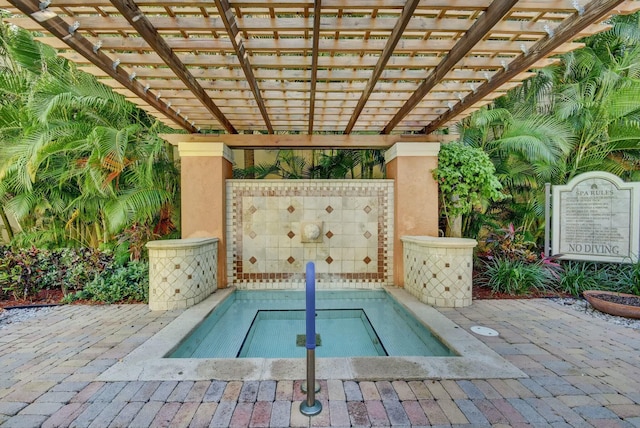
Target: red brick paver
x,y
582,371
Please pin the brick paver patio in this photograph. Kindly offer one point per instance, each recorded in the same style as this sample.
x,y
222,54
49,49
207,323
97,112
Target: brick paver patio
x,y
582,371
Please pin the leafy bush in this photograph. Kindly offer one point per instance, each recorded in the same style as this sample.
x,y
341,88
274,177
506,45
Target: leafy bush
x,y
510,243
20,272
466,180
513,276
128,284
27,271
628,279
579,276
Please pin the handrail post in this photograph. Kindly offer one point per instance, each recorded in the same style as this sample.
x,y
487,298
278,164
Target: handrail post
x,y
311,406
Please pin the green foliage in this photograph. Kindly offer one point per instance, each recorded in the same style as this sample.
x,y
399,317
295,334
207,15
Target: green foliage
x,y
632,279
320,164
466,178
25,272
124,284
516,277
581,114
78,163
578,276
510,243
83,273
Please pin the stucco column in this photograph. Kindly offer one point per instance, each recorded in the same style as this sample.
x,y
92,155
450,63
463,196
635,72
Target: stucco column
x,y
204,169
410,165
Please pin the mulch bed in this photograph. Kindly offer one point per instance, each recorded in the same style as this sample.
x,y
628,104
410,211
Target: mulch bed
x,y
484,293
44,297
622,300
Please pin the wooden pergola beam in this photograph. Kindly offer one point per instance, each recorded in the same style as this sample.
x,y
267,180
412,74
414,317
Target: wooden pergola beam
x,y
59,28
143,26
287,141
388,50
226,14
317,8
494,13
593,11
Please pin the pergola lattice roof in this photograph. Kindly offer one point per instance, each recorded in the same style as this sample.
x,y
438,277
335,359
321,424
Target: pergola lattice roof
x,y
355,66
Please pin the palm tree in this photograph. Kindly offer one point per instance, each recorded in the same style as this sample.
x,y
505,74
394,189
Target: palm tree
x,y
527,149
580,115
598,96
75,155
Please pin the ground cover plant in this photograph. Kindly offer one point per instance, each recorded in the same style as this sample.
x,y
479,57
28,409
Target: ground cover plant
x,y
508,262
37,275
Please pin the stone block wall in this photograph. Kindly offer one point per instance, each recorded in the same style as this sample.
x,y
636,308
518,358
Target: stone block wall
x,y
438,271
182,272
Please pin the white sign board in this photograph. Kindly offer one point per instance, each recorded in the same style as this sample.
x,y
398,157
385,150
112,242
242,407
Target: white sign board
x,y
596,218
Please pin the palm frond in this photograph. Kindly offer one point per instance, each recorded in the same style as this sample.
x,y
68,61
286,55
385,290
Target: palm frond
x,y
135,205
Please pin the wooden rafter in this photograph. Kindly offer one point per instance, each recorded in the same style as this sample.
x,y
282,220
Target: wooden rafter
x,y
317,7
444,26
143,26
495,12
593,12
226,15
59,28
388,50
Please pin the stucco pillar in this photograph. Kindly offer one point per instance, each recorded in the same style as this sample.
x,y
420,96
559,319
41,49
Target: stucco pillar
x,y
410,165
204,169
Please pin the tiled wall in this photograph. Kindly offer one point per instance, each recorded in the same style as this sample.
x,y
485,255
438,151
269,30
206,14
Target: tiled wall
x,y
182,272
438,271
266,220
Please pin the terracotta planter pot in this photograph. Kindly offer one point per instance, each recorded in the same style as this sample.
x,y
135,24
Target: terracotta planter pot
x,y
612,308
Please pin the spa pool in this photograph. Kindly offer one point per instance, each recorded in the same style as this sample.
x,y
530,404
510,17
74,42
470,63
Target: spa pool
x,y
270,324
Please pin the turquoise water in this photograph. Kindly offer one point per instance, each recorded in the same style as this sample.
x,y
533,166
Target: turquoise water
x,y
266,337
267,324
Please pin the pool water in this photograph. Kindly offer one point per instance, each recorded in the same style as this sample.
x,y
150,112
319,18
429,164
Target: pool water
x,y
268,324
266,339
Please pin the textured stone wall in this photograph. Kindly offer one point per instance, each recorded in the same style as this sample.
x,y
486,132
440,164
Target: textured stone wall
x,y
182,272
438,271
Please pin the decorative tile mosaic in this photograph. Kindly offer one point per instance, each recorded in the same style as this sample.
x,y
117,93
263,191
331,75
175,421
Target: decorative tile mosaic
x,y
266,232
438,275
182,272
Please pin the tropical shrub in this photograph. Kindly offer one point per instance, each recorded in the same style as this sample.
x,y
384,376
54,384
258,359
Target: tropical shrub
x,y
79,164
510,243
27,271
466,179
514,276
20,273
124,284
579,276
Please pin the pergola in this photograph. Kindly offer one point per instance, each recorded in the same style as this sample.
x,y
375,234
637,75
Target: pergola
x,y
370,67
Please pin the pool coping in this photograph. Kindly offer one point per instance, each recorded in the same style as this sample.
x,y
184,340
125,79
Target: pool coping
x,y
475,361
